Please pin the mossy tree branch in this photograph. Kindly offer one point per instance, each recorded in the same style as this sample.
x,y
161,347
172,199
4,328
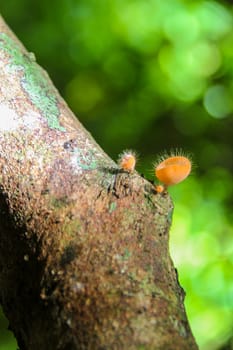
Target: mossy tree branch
x,y
84,260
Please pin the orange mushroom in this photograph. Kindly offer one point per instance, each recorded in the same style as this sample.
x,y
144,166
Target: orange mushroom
x,y
127,160
159,188
172,170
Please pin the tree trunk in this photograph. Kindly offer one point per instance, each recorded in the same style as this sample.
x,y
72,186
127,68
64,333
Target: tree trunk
x,y
84,260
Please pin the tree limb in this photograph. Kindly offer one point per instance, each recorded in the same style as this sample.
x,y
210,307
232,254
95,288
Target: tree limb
x,y
84,260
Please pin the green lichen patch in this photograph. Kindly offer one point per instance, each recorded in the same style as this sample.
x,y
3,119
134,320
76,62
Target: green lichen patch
x,y
33,80
86,160
71,227
59,203
112,207
169,216
125,256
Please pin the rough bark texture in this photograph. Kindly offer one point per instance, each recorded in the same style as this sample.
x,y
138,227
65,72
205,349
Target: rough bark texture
x,y
84,260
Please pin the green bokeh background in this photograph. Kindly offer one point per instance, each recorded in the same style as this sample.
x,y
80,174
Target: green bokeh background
x,y
154,75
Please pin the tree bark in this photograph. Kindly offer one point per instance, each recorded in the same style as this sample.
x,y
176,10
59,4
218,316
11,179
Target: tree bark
x,y
84,259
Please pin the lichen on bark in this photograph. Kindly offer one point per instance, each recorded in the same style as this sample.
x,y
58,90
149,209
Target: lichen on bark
x,y
32,79
84,259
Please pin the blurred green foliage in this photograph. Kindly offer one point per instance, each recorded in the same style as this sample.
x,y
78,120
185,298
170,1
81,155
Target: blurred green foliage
x,y
151,75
